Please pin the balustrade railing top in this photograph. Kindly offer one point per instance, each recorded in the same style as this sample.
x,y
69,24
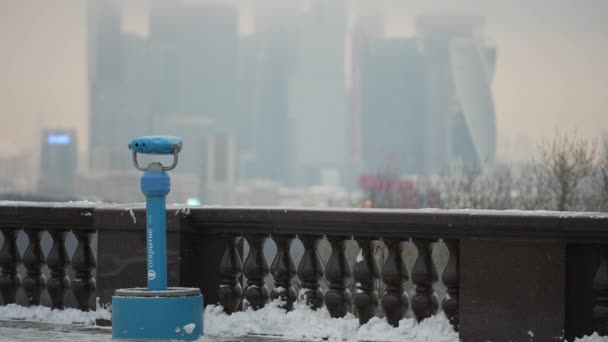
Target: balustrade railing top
x,y
71,215
516,224
476,224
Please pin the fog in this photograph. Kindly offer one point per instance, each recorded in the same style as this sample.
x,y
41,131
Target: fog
x,y
277,97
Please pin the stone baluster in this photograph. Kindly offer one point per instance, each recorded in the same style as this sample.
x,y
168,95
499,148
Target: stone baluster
x,y
600,285
338,272
394,273
57,261
33,259
283,270
84,263
230,291
450,279
424,275
366,275
10,280
310,271
256,269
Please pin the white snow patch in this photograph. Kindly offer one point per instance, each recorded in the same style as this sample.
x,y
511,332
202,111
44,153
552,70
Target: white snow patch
x,y
183,211
189,328
53,204
360,255
593,338
48,315
305,323
302,294
436,328
302,323
132,215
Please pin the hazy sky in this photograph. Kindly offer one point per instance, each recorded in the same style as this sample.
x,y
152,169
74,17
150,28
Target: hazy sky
x,y
552,68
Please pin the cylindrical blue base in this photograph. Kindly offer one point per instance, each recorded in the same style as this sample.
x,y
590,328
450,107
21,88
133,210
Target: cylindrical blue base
x,y
157,318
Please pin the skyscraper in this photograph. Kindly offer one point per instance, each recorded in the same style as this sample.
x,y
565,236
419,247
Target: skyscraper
x,y
366,28
392,106
119,87
107,89
264,94
195,93
425,103
459,116
58,154
218,172
472,71
317,95
181,79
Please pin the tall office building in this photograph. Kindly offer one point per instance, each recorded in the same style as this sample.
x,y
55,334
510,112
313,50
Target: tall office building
x,y
472,71
425,103
317,95
218,175
460,124
366,28
195,47
58,162
266,60
119,71
392,106
247,103
108,95
104,40
181,79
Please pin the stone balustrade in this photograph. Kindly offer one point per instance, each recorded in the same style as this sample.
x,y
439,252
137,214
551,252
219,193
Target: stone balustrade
x,y
496,275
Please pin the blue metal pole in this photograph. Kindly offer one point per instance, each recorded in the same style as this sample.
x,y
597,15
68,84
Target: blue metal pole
x,y
156,185
157,313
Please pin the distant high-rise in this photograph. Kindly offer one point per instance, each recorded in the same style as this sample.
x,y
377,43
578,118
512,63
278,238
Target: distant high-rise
x,y
460,124
108,95
181,79
104,40
218,173
392,106
119,87
58,162
195,93
425,103
317,95
366,28
263,96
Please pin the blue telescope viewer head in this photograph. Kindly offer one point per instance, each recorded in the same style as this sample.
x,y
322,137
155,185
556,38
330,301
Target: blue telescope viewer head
x,y
159,145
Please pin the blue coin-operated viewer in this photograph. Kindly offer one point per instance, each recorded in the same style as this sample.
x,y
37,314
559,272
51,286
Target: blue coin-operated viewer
x,y
157,312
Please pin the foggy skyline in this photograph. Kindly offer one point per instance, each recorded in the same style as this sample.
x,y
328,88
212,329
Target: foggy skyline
x,y
550,74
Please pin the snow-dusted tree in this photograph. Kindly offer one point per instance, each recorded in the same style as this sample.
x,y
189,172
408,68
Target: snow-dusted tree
x,y
532,188
566,175
473,189
601,179
564,164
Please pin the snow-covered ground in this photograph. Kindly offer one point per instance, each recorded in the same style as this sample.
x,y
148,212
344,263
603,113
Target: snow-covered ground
x,y
302,324
305,324
44,314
